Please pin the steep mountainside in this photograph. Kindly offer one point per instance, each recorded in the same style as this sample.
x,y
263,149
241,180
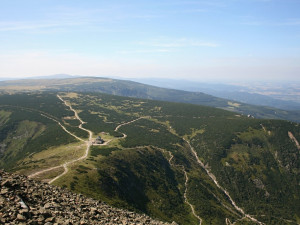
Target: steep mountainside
x,y
176,162
25,201
138,90
25,127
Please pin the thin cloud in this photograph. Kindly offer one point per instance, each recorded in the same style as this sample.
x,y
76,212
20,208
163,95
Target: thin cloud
x,y
52,18
165,45
142,51
78,18
109,13
288,22
212,3
291,22
15,26
178,43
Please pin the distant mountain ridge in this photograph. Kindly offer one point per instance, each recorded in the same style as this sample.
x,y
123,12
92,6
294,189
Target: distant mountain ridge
x,y
217,89
221,90
54,76
139,90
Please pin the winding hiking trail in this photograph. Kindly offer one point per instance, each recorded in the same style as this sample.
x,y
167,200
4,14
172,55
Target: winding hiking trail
x,y
54,167
88,144
262,126
292,137
186,199
124,135
212,176
186,187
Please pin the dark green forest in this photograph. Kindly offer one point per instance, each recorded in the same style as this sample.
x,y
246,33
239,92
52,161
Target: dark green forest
x,y
154,170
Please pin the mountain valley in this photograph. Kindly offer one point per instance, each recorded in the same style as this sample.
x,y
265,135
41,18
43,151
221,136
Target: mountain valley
x,y
176,162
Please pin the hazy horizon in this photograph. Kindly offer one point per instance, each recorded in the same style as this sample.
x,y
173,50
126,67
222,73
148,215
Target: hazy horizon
x,y
155,78
217,40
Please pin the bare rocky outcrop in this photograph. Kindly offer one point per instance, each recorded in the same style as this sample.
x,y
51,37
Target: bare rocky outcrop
x,y
26,201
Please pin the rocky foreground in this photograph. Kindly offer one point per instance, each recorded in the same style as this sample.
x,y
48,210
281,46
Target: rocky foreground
x,y
25,201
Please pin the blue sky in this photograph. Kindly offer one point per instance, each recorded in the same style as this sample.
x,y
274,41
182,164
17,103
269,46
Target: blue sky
x,y
197,40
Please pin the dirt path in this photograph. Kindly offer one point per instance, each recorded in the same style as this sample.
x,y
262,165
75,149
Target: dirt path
x,y
124,135
262,126
186,198
54,167
117,128
65,165
88,142
292,137
212,176
64,128
43,171
186,187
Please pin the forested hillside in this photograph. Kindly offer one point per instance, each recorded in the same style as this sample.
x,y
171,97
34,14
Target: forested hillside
x,y
137,90
176,162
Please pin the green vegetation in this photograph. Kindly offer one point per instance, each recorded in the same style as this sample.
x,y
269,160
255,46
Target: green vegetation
x,y
138,90
138,179
25,130
254,160
103,150
144,133
53,156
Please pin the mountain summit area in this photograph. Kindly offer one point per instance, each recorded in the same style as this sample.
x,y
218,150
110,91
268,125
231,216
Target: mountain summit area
x,y
26,201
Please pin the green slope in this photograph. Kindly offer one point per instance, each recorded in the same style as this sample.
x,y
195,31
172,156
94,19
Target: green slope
x,y
25,128
138,90
154,169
